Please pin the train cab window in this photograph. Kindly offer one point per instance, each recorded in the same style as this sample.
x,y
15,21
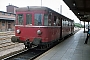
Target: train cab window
x,y
28,19
45,20
38,19
20,19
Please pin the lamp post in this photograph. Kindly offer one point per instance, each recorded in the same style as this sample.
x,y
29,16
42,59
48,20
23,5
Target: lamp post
x,y
41,2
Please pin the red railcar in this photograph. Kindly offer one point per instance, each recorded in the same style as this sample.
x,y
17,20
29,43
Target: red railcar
x,y
40,26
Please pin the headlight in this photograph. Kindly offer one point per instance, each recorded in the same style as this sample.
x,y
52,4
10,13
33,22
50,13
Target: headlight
x,y
39,32
18,31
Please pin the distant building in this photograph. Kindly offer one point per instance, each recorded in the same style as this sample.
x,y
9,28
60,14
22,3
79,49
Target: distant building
x,y
11,9
7,21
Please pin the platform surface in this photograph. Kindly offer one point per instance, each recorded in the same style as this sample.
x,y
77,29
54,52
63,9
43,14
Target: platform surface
x,y
73,48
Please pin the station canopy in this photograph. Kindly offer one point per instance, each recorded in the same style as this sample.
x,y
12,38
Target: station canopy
x,y
81,8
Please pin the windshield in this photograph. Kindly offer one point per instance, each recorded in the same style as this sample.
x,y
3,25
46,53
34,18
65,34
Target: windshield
x,y
38,19
28,19
20,19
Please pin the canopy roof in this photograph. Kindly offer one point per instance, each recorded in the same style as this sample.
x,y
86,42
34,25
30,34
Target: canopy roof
x,y
81,8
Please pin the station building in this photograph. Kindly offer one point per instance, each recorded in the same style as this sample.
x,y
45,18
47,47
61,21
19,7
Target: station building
x,y
7,19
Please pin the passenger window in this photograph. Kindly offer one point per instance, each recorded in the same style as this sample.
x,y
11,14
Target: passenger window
x,y
62,22
69,23
28,19
38,19
46,20
55,20
20,19
66,23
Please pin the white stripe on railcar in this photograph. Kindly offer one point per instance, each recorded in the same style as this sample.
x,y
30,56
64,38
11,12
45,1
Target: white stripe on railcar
x,y
35,26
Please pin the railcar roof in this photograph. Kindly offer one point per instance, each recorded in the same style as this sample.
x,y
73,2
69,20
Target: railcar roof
x,y
30,8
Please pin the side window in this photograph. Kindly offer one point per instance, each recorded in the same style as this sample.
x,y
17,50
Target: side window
x,y
38,19
55,20
66,23
29,19
69,23
62,22
20,19
46,20
3,23
72,24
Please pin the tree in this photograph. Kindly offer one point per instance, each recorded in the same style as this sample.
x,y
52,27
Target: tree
x,y
78,25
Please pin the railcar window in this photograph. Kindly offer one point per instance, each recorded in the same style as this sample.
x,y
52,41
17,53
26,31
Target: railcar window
x,y
69,23
66,23
29,19
72,24
62,22
55,20
38,19
46,20
20,19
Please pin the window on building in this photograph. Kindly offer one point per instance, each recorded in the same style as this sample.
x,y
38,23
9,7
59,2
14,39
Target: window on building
x,y
9,14
3,13
3,23
20,19
38,19
29,19
9,21
46,20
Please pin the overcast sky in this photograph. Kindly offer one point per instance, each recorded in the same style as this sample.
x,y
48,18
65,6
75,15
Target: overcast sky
x,y
53,4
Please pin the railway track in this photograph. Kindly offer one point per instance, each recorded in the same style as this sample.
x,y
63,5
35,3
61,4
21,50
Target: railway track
x,y
7,45
7,33
25,55
5,42
28,54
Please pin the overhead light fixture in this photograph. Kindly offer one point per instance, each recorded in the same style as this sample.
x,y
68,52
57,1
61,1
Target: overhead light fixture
x,y
85,16
74,4
78,13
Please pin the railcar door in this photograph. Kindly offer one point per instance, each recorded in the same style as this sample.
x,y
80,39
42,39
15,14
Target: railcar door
x,y
61,28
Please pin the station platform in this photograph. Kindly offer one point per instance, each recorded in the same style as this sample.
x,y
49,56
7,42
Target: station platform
x,y
73,48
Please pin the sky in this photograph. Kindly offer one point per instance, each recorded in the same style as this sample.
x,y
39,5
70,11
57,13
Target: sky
x,y
53,4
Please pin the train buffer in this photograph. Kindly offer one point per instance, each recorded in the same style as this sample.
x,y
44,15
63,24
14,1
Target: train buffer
x,y
87,38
